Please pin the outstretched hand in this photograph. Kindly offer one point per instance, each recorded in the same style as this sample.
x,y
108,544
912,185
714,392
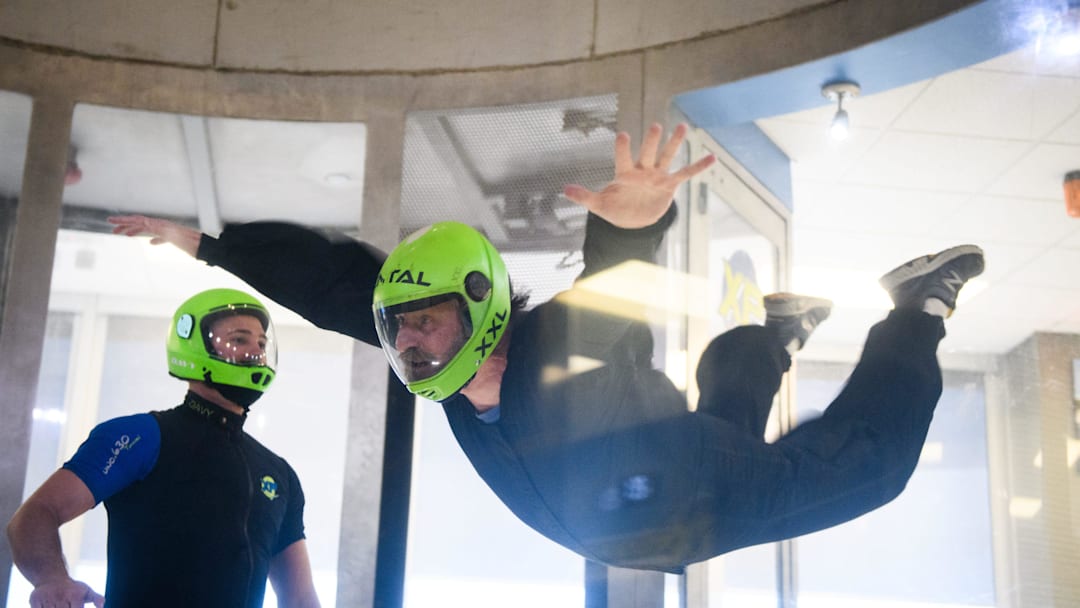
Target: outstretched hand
x,y
642,191
160,231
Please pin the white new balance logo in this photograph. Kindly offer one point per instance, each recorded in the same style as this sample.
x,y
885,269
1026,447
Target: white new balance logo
x,y
953,281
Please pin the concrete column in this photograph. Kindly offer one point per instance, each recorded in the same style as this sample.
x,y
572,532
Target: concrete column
x,y
381,209
375,500
378,468
25,293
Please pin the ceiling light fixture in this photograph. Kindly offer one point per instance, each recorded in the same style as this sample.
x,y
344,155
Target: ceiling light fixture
x,y
1072,193
838,92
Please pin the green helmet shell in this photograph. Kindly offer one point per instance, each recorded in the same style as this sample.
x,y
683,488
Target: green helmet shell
x,y
447,261
195,354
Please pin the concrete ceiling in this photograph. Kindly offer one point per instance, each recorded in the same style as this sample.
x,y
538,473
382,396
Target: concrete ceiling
x,y
337,37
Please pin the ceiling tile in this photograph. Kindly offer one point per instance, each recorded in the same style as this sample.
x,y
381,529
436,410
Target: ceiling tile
x,y
1056,268
1003,260
1013,220
814,154
872,209
1038,174
1070,322
935,162
992,104
1035,308
861,250
1013,314
1068,132
1073,240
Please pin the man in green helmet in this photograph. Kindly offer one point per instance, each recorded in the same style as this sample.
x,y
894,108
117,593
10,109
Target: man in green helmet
x,y
200,513
608,461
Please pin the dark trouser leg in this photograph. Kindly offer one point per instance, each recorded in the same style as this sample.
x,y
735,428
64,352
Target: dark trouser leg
x,y
856,457
860,454
739,374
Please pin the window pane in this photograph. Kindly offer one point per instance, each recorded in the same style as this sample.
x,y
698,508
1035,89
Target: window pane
x,y
466,549
742,267
49,423
932,544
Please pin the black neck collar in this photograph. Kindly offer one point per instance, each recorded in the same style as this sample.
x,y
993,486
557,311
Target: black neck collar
x,y
214,413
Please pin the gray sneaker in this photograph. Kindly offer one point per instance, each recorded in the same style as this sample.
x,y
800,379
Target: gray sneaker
x,y
795,316
939,275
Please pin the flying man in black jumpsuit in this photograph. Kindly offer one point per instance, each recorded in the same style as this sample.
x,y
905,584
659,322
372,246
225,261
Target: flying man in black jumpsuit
x,y
609,462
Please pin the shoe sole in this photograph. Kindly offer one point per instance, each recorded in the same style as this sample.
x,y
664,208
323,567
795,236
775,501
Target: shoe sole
x,y
790,305
927,264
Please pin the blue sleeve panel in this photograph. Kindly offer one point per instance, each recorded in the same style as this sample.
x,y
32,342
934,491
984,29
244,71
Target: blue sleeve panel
x,y
117,453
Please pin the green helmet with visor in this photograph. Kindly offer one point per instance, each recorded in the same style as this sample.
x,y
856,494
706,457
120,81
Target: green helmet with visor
x,y
224,337
441,304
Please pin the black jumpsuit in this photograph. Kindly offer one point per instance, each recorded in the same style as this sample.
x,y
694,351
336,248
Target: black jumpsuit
x,y
609,463
197,507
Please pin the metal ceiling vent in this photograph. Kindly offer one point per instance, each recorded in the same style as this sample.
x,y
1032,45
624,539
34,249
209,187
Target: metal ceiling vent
x,y
502,170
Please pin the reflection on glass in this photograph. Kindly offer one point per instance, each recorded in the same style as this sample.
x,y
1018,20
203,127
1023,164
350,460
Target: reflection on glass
x,y
460,165
742,268
50,415
461,534
49,421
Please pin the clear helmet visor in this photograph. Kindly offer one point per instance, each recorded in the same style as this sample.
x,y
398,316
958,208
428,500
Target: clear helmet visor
x,y
240,335
422,337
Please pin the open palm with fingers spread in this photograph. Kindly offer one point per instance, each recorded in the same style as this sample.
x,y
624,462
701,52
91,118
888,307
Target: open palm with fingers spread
x,y
642,191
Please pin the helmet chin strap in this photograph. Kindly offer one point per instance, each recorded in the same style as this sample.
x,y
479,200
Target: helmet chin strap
x,y
243,397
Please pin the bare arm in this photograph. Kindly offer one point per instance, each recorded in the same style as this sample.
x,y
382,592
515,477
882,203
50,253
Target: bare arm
x,y
290,574
34,536
325,279
160,231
